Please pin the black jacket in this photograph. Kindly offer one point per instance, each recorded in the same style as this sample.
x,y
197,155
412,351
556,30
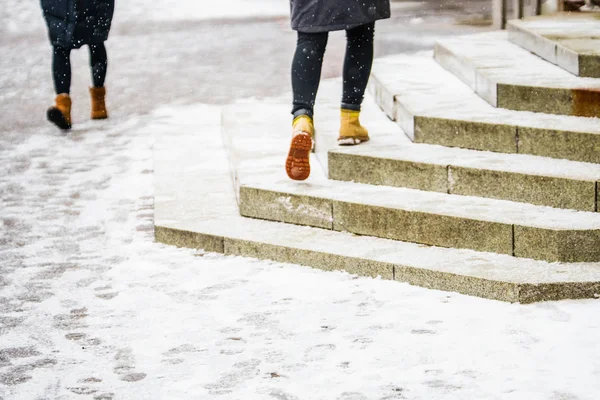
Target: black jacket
x,y
73,23
334,15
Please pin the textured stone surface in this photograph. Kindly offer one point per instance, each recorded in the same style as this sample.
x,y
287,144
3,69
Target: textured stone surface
x,y
503,291
554,239
190,240
560,245
315,259
419,227
534,189
393,160
285,207
560,144
530,293
589,65
534,98
466,134
586,102
388,172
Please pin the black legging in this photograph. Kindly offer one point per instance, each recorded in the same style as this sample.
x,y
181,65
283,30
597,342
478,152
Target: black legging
x,y
308,60
61,67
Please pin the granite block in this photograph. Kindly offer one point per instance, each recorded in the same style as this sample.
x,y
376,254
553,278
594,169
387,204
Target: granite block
x,y
424,228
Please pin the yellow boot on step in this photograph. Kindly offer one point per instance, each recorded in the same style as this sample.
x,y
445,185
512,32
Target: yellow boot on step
x,y
351,131
297,165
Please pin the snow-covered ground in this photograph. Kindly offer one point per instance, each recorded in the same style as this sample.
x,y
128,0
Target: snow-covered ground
x,y
204,9
24,16
92,308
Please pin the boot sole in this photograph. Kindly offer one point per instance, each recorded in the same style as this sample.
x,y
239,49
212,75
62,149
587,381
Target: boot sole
x,y
57,118
297,165
351,140
102,114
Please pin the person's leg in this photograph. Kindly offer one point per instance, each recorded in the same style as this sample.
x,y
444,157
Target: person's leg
x,y
60,113
357,69
61,70
306,74
357,65
306,71
99,65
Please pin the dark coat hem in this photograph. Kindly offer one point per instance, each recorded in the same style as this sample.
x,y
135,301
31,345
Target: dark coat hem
x,y
315,16
331,28
72,28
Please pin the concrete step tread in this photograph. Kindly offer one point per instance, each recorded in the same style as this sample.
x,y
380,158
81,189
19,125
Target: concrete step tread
x,y
396,146
412,200
504,62
569,40
195,207
426,89
390,159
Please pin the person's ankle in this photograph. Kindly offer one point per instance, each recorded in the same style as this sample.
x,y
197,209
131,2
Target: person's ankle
x,y
350,107
302,111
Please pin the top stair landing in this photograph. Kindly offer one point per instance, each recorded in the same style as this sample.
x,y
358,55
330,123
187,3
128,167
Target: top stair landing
x,y
507,76
569,40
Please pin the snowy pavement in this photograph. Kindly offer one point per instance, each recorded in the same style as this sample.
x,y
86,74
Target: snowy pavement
x,y
92,308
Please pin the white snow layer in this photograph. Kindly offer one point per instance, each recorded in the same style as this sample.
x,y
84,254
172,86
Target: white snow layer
x,y
205,9
92,308
120,317
26,16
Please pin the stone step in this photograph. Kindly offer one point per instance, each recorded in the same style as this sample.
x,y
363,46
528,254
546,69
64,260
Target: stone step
x,y
433,106
510,77
195,207
569,40
427,218
430,218
392,160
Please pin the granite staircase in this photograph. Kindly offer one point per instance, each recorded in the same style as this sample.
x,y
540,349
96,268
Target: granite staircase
x,y
482,176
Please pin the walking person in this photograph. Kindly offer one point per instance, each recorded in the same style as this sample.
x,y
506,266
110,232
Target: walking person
x,y
313,20
71,25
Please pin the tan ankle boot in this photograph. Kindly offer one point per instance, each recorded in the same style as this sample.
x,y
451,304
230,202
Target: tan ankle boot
x,y
60,113
98,96
351,131
297,165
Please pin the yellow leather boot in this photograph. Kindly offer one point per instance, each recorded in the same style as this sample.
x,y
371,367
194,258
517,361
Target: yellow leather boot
x,y
297,165
60,113
351,131
98,96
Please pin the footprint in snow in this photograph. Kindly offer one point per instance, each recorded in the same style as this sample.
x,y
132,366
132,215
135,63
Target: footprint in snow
x,y
318,352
